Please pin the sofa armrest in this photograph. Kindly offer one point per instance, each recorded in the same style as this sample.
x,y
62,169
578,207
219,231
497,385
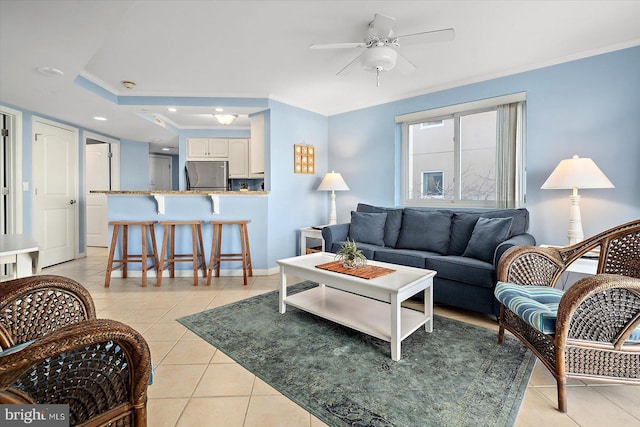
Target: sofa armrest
x,y
525,239
334,233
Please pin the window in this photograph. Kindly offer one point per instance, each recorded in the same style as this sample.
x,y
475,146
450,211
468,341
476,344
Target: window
x,y
468,155
432,185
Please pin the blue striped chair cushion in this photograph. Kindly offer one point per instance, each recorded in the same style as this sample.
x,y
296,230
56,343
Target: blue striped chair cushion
x,y
538,306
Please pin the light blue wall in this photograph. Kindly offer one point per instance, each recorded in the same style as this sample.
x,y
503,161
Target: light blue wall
x,y
134,165
294,202
589,107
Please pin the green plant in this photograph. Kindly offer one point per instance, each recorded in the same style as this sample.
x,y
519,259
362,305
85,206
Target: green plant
x,y
350,255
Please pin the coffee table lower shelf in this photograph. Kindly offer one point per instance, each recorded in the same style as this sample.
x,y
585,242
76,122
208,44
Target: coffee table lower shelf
x,y
363,314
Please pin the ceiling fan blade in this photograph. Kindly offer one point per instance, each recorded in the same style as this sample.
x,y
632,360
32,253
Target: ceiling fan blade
x,y
383,25
403,65
337,45
349,67
444,35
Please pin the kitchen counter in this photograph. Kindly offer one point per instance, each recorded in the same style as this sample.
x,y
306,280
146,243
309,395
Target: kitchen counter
x,y
179,193
159,196
201,206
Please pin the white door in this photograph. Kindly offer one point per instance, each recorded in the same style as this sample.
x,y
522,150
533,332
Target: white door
x,y
97,178
55,192
160,176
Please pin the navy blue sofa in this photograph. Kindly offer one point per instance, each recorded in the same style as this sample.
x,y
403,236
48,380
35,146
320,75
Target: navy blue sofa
x,y
462,246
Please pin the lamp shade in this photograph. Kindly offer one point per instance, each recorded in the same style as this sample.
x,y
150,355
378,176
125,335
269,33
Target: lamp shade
x,y
333,181
577,173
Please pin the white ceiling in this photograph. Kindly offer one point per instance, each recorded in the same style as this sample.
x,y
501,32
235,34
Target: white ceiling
x,y
259,49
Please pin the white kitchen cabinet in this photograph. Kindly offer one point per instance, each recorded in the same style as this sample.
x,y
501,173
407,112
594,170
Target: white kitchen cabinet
x,y
238,158
207,148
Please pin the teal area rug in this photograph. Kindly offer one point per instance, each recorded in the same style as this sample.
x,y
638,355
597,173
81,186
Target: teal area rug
x,y
455,376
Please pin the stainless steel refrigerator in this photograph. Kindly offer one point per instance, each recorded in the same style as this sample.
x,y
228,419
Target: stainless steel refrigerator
x,y
207,175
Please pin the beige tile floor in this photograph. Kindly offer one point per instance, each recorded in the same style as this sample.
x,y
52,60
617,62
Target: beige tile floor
x,y
197,385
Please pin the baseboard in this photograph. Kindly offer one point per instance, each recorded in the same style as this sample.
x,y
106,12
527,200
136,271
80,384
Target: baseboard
x,y
189,273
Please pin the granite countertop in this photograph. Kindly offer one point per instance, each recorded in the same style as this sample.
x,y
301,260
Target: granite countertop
x,y
179,193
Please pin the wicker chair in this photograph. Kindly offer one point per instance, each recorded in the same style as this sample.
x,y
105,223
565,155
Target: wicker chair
x,y
99,367
595,316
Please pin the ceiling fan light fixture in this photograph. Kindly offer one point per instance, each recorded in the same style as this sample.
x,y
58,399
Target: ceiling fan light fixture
x,y
379,58
225,119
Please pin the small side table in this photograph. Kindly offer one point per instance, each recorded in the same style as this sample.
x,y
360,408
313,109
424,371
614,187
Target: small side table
x,y
584,265
310,233
578,269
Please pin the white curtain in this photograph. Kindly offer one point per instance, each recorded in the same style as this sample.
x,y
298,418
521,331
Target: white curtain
x,y
510,173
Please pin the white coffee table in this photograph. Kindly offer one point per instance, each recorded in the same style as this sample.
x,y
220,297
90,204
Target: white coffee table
x,y
371,306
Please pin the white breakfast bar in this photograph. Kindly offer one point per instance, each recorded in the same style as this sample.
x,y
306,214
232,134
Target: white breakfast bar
x,y
372,306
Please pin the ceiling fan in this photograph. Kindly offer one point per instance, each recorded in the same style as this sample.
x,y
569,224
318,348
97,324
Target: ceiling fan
x,y
381,46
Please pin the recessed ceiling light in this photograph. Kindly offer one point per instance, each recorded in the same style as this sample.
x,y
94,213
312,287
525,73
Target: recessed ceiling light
x,y
219,110
166,149
128,84
172,109
49,71
102,119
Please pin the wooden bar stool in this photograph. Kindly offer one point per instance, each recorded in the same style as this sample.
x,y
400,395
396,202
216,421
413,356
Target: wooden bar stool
x,y
197,250
126,257
217,256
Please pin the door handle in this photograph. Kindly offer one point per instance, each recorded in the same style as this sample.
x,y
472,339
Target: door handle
x,y
71,202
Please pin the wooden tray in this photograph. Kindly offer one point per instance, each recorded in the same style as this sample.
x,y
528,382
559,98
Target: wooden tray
x,y
368,272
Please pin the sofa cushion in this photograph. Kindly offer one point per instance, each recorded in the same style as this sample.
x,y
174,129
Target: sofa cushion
x,y
487,234
425,230
520,223
367,227
462,225
464,270
391,226
408,257
461,229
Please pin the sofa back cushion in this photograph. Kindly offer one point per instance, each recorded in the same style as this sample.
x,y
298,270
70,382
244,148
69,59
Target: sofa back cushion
x,y
487,234
367,227
425,230
463,223
392,224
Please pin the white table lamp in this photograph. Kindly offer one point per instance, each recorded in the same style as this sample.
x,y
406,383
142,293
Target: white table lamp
x,y
573,174
333,182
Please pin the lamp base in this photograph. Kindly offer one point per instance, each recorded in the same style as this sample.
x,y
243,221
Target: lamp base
x,y
575,234
333,217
